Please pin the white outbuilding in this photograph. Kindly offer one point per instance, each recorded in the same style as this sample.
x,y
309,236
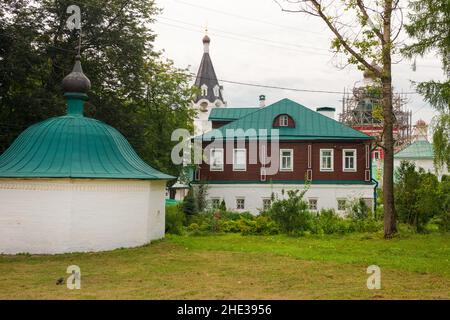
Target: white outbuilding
x,y
74,184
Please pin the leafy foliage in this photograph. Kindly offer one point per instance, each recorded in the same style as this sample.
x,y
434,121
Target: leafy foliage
x,y
133,88
188,205
175,219
292,213
357,209
428,25
418,197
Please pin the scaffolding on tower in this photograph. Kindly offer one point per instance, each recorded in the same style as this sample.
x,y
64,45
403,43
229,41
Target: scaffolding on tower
x,y
362,110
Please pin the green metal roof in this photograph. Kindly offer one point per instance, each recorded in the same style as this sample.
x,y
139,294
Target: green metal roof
x,y
309,125
420,149
74,146
229,114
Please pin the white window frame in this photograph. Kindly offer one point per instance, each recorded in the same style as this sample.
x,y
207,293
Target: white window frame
x,y
237,203
264,200
204,89
216,91
283,120
377,154
220,166
218,202
355,159
309,204
291,151
234,160
345,204
197,174
332,160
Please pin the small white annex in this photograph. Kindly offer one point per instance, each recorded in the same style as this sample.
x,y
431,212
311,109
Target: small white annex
x,y
420,152
74,184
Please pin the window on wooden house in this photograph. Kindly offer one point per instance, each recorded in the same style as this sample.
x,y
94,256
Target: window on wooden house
x,y
312,204
267,202
216,161
342,204
197,174
376,155
215,203
349,159
239,159
284,121
326,160
286,159
240,203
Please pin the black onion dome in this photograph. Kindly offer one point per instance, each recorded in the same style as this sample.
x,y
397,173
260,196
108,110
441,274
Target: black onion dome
x,y
76,81
206,39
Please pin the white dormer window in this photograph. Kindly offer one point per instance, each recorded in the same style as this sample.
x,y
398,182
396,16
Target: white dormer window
x,y
284,121
216,90
204,90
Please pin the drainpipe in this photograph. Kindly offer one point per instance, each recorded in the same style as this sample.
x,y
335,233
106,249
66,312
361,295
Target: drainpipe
x,y
372,179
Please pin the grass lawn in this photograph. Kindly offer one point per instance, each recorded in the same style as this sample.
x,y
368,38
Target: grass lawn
x,y
232,266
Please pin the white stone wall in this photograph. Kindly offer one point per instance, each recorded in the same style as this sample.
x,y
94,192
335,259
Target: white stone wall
x,y
72,215
426,164
326,195
201,122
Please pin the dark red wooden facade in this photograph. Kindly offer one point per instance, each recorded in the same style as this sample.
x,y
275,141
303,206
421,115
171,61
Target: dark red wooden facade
x,y
301,163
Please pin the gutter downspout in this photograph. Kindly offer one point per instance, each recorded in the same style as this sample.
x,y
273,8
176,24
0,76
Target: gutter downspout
x,y
376,182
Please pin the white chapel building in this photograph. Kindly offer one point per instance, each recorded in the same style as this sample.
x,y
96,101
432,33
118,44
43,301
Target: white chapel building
x,y
73,184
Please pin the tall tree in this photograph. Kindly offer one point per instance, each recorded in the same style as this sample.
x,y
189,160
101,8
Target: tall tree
x,y
364,32
429,26
37,50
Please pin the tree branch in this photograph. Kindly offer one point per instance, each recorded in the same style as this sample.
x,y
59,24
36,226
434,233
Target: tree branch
x,y
355,54
369,20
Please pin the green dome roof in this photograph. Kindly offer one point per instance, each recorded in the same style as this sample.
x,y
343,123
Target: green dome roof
x,y
77,147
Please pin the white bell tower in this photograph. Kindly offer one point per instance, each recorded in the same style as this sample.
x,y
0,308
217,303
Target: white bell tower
x,y
211,92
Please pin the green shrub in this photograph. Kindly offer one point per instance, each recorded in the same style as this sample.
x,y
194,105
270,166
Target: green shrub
x,y
328,222
358,210
367,225
292,214
189,207
266,226
417,196
175,219
230,226
443,219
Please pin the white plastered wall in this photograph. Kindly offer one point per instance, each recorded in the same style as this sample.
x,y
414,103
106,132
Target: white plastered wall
x,y
426,164
73,215
326,195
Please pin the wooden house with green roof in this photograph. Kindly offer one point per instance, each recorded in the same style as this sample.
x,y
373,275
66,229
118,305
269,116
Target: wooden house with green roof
x,y
253,153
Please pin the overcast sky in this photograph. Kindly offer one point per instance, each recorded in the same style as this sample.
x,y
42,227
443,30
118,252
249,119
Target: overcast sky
x,y
253,41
